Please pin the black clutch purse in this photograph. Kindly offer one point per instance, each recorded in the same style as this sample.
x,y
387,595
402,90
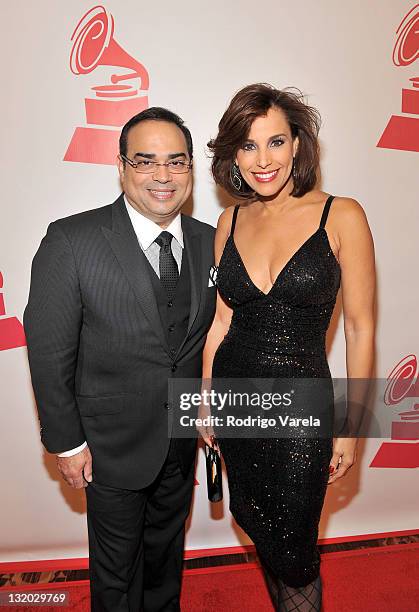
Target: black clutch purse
x,y
214,476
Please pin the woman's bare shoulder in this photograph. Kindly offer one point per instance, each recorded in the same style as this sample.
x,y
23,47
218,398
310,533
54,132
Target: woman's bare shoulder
x,y
223,231
225,220
343,204
348,212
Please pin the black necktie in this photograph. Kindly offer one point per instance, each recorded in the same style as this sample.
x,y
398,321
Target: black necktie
x,y
169,273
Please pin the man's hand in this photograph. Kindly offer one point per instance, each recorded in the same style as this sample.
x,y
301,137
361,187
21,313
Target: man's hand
x,y
76,470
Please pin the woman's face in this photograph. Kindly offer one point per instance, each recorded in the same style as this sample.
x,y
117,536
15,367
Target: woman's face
x,y
266,157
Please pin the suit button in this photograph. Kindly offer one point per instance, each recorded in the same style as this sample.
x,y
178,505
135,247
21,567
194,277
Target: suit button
x,y
171,328
169,304
174,367
166,405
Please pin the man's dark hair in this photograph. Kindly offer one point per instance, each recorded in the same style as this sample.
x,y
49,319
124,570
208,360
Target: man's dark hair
x,y
155,113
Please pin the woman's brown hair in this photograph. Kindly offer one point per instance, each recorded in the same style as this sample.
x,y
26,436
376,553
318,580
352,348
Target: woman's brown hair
x,y
254,101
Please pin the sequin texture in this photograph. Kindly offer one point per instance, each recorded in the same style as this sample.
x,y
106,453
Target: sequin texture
x,y
277,486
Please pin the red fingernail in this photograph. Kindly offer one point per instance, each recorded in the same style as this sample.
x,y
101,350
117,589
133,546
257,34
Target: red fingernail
x,y
331,469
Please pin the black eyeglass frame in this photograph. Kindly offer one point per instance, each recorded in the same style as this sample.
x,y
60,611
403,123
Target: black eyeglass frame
x,y
133,164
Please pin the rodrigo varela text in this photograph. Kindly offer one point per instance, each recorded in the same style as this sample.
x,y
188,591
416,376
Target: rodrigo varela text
x,y
249,421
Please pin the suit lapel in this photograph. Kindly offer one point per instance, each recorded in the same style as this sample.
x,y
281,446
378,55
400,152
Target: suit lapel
x,y
194,255
124,243
198,277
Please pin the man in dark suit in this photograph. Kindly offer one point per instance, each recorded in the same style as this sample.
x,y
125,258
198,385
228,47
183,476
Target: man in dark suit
x,y
120,302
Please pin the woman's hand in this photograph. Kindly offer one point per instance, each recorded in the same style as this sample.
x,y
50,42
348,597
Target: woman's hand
x,y
206,432
344,455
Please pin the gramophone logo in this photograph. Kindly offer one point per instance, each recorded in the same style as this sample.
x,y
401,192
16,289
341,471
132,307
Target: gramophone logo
x,y
403,450
11,329
113,103
402,131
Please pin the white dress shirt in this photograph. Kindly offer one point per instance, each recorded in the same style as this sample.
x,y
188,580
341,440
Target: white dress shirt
x,y
147,231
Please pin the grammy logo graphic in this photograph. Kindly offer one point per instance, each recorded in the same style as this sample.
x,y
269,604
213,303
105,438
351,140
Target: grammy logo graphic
x,y
114,103
11,329
403,450
402,131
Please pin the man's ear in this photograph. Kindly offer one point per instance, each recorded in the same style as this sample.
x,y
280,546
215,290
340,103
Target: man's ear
x,y
121,167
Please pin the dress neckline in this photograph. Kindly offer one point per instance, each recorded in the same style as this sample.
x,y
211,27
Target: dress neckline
x,y
288,263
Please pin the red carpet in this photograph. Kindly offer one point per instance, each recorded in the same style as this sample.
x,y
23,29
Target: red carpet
x,y
380,581
384,579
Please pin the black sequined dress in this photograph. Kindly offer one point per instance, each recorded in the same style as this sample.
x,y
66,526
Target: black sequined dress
x,y
277,486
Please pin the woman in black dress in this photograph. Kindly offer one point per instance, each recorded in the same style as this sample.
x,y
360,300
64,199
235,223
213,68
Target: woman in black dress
x,y
282,256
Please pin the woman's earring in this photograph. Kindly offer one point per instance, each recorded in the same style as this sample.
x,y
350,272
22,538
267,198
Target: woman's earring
x,y
294,169
235,177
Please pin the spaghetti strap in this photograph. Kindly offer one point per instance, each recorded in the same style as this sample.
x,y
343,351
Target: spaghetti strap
x,y
326,211
233,221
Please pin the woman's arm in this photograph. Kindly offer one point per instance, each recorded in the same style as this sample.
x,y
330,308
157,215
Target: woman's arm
x,y
221,322
356,258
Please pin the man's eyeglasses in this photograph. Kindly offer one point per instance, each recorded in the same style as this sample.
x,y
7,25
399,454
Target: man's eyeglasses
x,y
148,166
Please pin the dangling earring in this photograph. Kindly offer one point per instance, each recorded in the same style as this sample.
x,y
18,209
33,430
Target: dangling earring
x,y
294,169
235,177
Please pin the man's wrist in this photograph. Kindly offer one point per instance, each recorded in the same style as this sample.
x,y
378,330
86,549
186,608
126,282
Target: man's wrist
x,y
73,451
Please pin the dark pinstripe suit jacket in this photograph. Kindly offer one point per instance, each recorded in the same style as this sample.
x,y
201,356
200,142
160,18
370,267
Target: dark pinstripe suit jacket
x,y
98,354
